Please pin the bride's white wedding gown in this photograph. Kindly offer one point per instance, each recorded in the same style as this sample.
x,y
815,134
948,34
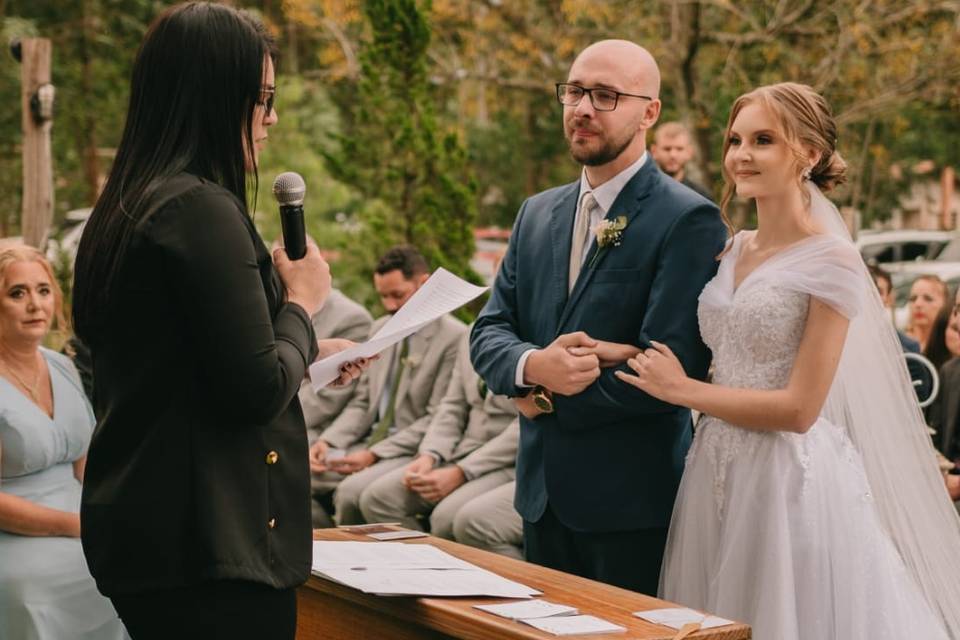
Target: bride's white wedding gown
x,y
779,529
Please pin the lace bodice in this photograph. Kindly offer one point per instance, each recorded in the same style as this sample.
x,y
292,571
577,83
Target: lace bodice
x,y
755,338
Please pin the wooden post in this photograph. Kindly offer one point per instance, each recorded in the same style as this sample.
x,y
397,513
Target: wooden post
x,y
37,156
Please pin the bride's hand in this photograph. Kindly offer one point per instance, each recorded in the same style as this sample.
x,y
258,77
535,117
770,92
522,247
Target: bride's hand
x,y
610,354
658,372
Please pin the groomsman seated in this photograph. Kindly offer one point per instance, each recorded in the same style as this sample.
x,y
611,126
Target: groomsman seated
x,y
340,317
394,400
468,450
491,522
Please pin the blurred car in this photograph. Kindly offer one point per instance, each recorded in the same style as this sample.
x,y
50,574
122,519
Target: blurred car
x,y
490,246
64,242
904,245
907,272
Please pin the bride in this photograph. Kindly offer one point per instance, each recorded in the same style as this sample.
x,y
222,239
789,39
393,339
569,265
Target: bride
x,y
811,506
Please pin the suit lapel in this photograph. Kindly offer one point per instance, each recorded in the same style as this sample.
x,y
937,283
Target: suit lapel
x,y
629,204
561,235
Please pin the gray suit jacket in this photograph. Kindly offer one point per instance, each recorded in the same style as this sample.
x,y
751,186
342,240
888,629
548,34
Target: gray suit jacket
x,y
340,317
466,422
430,356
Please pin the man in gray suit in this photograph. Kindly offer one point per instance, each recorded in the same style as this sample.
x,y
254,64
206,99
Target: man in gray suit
x,y
340,317
469,449
491,522
394,401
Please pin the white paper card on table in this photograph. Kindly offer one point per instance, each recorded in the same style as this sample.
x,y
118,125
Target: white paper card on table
x,y
388,555
402,534
442,293
430,582
574,625
677,617
527,609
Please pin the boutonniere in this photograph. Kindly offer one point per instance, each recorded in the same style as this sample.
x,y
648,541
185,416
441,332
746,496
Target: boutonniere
x,y
609,233
410,362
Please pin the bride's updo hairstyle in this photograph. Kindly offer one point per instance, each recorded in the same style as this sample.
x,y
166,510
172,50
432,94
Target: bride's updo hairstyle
x,y
805,121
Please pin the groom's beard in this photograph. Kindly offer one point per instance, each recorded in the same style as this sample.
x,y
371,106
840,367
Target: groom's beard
x,y
608,152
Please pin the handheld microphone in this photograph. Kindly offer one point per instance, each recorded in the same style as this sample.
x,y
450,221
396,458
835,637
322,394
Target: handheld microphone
x,y
289,189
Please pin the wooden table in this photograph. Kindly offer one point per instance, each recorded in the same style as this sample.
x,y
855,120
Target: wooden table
x,y
331,611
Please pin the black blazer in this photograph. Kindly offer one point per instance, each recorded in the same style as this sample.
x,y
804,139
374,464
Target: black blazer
x,y
198,468
945,411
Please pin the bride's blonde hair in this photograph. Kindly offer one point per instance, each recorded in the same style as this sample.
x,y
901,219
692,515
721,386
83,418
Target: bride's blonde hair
x,y
806,121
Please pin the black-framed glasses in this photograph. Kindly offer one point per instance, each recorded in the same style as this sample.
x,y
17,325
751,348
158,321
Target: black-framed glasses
x,y
570,95
267,97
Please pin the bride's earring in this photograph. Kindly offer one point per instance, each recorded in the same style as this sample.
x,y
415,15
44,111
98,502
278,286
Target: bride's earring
x,y
806,174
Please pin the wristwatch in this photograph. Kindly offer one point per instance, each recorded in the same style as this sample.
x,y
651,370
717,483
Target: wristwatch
x,y
543,399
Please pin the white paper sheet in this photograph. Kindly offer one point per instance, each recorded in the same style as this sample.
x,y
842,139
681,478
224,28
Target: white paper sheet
x,y
403,534
574,625
527,609
677,617
442,293
430,582
380,556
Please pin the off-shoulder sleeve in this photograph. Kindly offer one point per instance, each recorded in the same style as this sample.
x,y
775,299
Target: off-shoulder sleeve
x,y
829,269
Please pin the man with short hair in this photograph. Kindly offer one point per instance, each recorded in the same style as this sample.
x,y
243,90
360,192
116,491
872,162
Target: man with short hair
x,y
595,270
395,398
673,149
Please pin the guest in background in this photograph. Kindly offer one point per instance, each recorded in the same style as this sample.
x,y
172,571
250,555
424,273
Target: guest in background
x,y
341,318
384,421
885,288
470,448
491,522
937,350
673,150
928,294
944,413
196,509
46,590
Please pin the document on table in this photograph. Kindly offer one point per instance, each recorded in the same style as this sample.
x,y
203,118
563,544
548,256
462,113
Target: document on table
x,y
677,617
527,609
574,625
386,555
398,569
430,582
442,293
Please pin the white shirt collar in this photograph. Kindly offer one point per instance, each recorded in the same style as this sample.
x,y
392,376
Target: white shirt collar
x,y
606,193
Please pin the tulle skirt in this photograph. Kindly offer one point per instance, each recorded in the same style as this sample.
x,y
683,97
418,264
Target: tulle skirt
x,y
779,530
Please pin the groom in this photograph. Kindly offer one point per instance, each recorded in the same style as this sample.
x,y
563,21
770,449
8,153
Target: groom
x,y
599,461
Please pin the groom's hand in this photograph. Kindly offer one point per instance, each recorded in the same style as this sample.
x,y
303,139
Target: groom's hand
x,y
560,371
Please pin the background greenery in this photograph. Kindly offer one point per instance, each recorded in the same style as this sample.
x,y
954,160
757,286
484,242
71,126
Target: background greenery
x,y
414,121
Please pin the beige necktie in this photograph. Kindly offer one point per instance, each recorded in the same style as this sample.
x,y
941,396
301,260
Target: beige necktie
x,y
580,230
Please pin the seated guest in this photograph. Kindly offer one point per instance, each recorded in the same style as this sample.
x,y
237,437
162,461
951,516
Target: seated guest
x,y
394,401
46,590
340,317
491,522
462,456
928,295
672,149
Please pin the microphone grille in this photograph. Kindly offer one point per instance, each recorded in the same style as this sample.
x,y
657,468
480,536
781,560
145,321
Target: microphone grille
x,y
289,188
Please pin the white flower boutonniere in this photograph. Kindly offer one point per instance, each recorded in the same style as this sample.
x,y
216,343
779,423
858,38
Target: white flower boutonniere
x,y
609,233
410,362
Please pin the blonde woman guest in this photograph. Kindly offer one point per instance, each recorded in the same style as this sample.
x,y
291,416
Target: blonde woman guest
x,y
46,590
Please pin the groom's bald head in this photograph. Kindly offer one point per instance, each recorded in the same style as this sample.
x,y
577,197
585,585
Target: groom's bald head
x,y
625,64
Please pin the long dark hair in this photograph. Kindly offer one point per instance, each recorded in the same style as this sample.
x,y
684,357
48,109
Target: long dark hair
x,y
195,83
937,351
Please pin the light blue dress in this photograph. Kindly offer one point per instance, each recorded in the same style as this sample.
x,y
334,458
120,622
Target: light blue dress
x,y
46,591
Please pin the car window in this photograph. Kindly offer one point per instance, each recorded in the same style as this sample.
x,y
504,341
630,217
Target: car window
x,y
878,253
910,251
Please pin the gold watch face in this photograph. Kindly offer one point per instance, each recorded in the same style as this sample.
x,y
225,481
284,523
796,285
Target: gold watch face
x,y
542,401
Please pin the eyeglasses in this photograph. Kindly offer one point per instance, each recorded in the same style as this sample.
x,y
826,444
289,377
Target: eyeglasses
x,y
266,99
570,95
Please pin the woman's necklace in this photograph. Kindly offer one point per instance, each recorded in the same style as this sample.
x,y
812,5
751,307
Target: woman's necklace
x,y
32,389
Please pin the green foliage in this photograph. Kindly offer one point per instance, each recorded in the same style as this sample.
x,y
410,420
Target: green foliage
x,y
412,172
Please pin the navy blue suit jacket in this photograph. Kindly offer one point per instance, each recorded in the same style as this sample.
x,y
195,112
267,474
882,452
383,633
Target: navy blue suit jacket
x,y
609,458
